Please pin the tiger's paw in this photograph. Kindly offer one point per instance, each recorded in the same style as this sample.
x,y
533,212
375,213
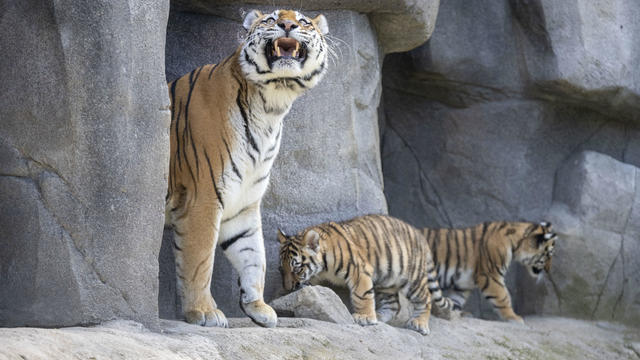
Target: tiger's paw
x,y
418,325
215,317
365,319
516,320
261,313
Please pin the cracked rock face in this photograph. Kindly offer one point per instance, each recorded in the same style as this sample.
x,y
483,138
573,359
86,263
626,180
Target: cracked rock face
x,y
475,130
83,157
596,210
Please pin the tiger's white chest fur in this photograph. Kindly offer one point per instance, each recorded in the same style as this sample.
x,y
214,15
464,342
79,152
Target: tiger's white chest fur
x,y
258,143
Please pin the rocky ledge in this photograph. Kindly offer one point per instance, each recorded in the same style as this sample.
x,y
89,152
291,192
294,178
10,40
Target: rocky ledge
x,y
299,338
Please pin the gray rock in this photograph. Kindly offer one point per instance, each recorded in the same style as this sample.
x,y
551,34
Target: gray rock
x,y
313,302
83,158
329,162
592,212
401,25
312,339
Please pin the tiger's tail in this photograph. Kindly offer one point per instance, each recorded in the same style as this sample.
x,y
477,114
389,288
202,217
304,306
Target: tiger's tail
x,y
444,304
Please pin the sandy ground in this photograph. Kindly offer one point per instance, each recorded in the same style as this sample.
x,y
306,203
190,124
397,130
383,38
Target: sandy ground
x,y
466,338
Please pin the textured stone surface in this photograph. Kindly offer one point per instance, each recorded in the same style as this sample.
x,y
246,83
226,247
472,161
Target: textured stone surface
x,y
479,120
594,206
401,25
542,338
83,157
313,302
329,162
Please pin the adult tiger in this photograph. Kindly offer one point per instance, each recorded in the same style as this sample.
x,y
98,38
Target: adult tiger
x,y
478,257
376,257
225,134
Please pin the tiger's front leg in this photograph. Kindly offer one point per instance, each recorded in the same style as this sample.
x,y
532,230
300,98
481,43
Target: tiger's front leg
x,y
496,292
195,238
243,244
362,299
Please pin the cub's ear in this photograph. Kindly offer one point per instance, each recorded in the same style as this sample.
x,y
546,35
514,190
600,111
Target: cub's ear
x,y
250,18
321,24
282,237
312,240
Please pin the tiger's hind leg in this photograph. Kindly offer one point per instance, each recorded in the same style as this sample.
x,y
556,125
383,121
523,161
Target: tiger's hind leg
x,y
243,244
195,236
420,298
387,306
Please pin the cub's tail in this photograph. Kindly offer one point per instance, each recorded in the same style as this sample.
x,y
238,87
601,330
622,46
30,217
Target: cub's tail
x,y
443,305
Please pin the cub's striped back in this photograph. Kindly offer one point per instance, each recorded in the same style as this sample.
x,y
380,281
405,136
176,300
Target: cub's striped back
x,y
376,257
479,256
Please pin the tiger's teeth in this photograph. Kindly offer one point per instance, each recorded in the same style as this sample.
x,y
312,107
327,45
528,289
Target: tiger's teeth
x,y
295,52
277,48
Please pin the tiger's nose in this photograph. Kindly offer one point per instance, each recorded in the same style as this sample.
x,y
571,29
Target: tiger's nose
x,y
287,25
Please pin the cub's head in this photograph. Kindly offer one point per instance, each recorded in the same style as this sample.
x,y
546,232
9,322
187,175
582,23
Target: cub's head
x,y
285,46
536,248
300,258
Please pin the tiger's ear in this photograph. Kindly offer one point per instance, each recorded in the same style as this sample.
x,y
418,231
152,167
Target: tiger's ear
x,y
282,237
321,24
250,18
312,240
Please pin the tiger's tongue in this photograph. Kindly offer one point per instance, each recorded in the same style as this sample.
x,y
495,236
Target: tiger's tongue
x,y
287,47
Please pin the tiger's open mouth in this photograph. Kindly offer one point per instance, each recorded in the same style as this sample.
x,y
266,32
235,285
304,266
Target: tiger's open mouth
x,y
285,48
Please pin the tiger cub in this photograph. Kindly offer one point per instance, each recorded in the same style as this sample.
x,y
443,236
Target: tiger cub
x,y
376,257
225,133
478,257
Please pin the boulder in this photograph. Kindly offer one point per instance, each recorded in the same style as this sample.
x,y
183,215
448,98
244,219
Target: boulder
x,y
83,160
313,302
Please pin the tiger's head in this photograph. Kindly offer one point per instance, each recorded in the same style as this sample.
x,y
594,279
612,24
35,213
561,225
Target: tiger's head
x,y
535,250
285,47
300,258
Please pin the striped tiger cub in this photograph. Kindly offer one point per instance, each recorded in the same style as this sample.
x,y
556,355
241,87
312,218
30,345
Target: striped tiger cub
x,y
225,133
376,257
478,257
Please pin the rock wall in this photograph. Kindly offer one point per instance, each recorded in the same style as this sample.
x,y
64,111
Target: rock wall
x,y
526,110
83,160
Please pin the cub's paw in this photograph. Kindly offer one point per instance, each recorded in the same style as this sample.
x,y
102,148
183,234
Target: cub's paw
x,y
418,325
261,313
365,319
214,317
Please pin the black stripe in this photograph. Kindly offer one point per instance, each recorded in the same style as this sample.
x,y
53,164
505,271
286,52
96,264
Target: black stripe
x,y
213,181
225,245
314,73
237,214
251,62
211,72
261,179
286,81
245,118
233,163
447,239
